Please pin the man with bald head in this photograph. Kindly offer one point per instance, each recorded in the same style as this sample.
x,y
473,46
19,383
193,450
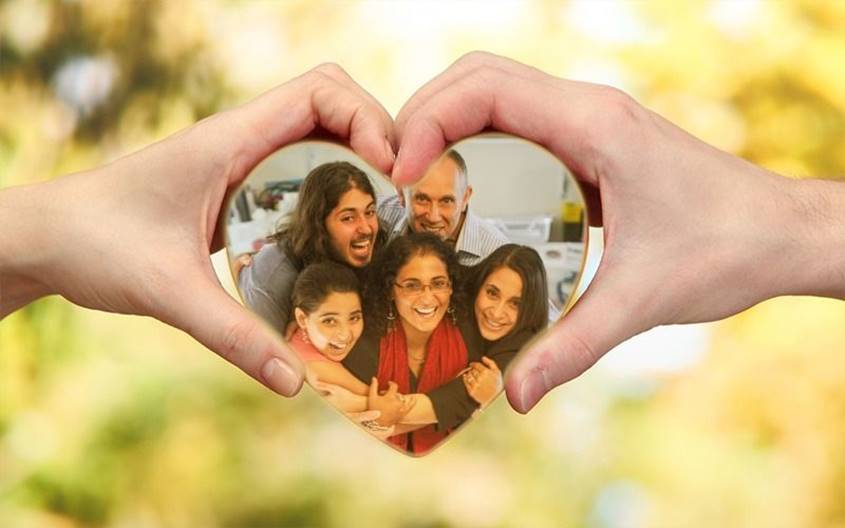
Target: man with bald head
x,y
439,203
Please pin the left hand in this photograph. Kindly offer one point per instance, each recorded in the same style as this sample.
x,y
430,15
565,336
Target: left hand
x,y
483,381
135,236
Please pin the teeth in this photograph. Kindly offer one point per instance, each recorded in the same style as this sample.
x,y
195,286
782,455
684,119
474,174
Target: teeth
x,y
361,245
491,324
426,311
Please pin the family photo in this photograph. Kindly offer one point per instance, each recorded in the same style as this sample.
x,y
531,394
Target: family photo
x,y
406,305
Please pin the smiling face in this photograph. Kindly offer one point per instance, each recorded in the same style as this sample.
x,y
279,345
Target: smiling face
x,y
335,326
353,226
423,293
436,202
497,303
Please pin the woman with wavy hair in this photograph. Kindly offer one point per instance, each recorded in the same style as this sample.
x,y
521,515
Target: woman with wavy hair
x,y
334,219
411,338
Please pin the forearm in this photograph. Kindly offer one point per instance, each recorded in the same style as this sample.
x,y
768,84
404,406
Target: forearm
x,y
422,413
353,404
24,231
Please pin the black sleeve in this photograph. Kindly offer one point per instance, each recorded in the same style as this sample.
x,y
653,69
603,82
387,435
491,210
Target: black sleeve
x,y
362,360
452,404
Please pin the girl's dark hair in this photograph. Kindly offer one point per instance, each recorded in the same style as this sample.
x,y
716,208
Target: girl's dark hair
x,y
318,281
306,236
386,265
526,262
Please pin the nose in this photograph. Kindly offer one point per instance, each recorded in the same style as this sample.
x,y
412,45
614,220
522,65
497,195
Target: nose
x,y
427,293
434,212
498,311
363,226
344,332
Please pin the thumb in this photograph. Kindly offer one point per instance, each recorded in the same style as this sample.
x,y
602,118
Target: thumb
x,y
206,312
373,387
606,315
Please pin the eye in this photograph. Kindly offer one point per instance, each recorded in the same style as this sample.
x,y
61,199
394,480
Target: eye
x,y
514,303
447,201
355,318
492,292
440,284
329,321
370,213
421,199
346,218
412,286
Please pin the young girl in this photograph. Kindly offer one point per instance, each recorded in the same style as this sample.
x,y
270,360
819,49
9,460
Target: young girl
x,y
327,309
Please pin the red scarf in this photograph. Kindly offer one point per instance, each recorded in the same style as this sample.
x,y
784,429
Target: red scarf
x,y
446,356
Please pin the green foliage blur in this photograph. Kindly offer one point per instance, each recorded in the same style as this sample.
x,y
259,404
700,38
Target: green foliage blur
x,y
112,420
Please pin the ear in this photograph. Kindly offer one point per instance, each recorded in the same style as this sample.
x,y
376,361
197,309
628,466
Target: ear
x,y
467,196
300,317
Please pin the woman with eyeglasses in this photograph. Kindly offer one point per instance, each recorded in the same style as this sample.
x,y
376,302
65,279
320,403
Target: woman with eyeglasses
x,y
411,343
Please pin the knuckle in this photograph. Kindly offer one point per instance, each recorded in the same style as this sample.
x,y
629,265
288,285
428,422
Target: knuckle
x,y
475,57
331,69
619,111
237,339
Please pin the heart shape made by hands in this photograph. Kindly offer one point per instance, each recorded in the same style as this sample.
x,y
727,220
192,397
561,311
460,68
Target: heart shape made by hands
x,y
406,307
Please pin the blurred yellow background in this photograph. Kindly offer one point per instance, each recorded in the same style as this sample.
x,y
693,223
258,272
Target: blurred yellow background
x,y
121,421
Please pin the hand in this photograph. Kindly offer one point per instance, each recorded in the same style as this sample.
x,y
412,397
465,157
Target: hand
x,y
239,263
135,236
392,405
483,381
691,233
367,420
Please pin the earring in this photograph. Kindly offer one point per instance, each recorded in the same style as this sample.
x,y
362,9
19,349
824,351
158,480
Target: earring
x,y
305,337
391,317
453,317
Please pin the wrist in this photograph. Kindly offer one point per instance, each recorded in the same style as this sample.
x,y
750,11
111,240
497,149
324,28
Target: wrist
x,y
812,258
24,239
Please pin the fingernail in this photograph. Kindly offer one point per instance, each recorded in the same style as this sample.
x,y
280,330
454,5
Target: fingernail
x,y
280,377
532,388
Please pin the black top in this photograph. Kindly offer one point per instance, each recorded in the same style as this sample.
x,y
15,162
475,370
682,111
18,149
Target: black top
x,y
452,404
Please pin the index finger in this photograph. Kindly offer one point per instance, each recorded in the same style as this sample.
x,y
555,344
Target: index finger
x,y
458,69
580,123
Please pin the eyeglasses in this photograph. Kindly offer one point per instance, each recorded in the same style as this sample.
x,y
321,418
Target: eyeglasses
x,y
415,287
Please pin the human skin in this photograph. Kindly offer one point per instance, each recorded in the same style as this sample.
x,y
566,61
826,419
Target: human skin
x,y
436,201
421,313
352,226
497,303
335,326
692,233
135,236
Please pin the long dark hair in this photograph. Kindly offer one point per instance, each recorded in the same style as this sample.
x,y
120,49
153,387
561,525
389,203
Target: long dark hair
x,y
307,240
386,265
318,281
526,262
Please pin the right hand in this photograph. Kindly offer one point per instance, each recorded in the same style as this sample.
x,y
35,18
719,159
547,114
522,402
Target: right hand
x,y
692,233
392,405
